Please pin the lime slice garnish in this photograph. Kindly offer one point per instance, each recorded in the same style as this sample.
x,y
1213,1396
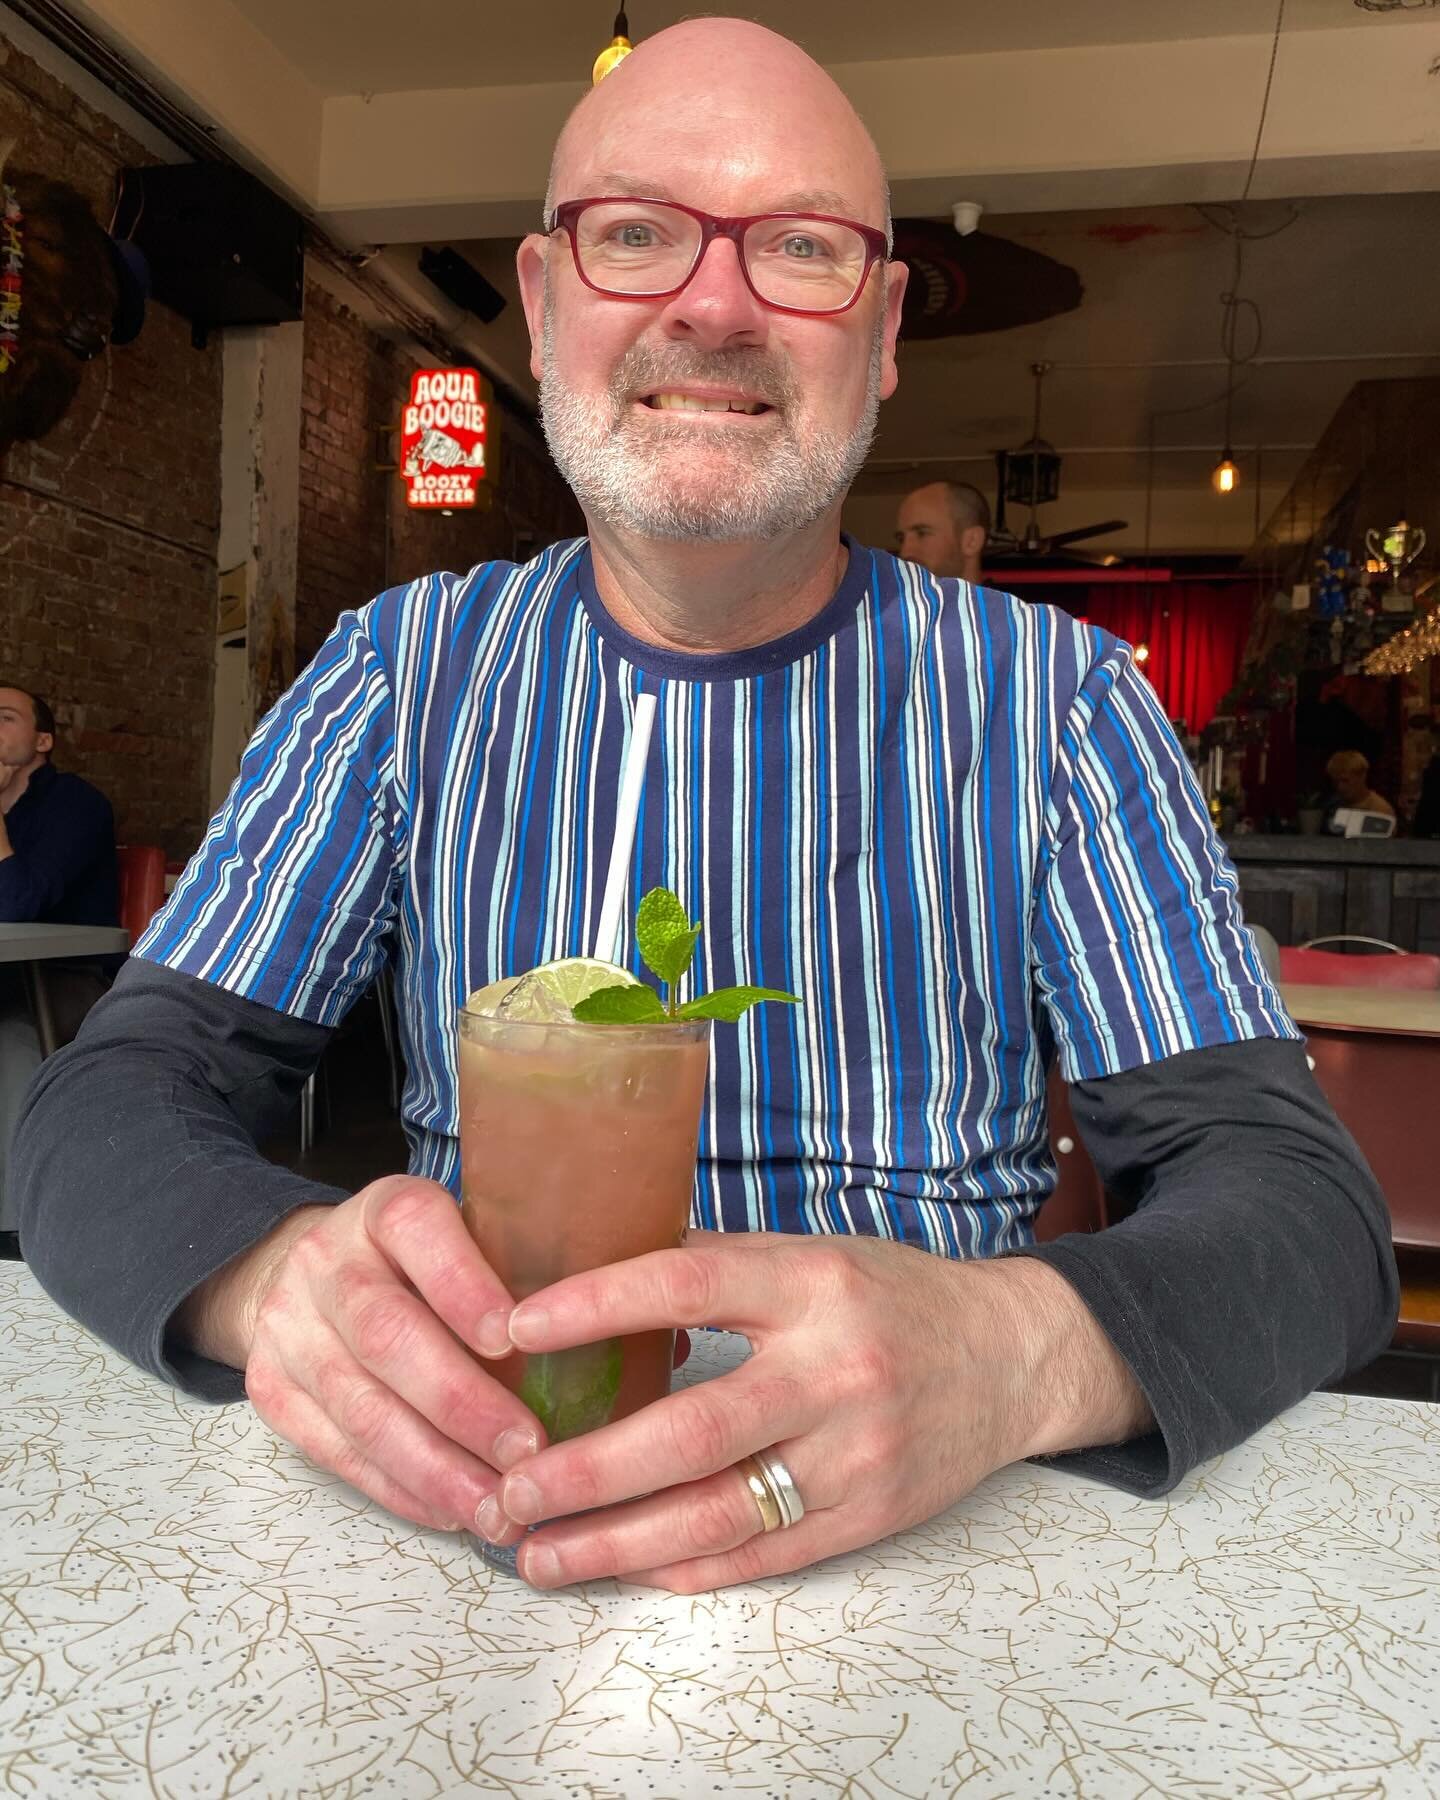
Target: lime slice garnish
x,y
549,995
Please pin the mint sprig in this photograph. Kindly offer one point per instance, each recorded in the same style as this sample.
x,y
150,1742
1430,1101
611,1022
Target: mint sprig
x,y
667,937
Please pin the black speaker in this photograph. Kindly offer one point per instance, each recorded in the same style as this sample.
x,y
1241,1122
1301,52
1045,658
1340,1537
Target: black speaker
x,y
223,250
462,283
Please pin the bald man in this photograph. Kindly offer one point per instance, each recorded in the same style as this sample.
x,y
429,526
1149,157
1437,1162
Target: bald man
x,y
944,526
957,826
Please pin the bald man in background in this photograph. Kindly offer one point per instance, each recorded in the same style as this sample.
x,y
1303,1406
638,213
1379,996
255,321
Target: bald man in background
x,y
943,526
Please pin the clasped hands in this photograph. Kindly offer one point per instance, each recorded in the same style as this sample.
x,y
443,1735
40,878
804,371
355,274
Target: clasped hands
x,y
890,1381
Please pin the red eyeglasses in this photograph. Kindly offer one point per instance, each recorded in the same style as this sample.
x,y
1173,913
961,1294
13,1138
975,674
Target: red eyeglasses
x,y
805,263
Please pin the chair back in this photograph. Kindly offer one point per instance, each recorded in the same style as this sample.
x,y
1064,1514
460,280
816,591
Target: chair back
x,y
1332,968
142,885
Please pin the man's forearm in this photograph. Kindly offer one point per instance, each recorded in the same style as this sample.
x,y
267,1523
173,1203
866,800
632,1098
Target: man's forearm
x,y
1258,1265
137,1179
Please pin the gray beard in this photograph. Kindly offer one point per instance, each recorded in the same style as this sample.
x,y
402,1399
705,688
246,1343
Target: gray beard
x,y
756,487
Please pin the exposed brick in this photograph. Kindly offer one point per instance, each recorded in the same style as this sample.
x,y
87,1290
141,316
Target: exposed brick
x,y
113,627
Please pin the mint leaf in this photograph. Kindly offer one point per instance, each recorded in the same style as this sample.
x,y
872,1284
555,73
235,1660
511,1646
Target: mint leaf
x,y
665,935
730,1003
573,1391
621,1006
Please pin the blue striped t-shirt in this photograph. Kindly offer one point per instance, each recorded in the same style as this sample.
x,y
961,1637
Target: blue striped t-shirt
x,y
957,825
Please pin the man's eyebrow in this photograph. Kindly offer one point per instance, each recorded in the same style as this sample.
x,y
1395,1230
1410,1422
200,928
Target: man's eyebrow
x,y
633,187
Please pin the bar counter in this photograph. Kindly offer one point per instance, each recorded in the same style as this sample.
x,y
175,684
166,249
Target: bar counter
x,y
1307,887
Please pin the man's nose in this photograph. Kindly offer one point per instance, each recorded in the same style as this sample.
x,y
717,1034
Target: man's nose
x,y
716,310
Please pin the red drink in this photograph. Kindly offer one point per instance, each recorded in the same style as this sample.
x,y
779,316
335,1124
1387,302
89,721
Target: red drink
x,y
577,1149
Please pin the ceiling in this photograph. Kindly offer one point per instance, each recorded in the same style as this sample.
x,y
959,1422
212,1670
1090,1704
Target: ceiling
x,y
379,48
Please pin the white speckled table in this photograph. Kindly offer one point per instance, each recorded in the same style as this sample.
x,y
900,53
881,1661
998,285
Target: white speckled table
x,y
187,1609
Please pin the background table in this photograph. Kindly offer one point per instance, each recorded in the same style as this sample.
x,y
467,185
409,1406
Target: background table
x,y
32,946
187,1609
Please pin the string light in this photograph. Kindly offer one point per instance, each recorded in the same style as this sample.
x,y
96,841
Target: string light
x,y
614,52
1400,654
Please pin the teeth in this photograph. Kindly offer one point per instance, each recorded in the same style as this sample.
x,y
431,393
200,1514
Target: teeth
x,y
692,403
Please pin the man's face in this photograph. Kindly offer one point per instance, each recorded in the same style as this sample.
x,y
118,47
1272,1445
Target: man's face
x,y
928,532
20,741
1352,785
611,370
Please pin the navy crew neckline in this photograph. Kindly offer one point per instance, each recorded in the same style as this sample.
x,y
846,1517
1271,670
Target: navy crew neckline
x,y
729,665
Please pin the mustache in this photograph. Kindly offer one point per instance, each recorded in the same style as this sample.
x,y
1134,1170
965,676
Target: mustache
x,y
645,368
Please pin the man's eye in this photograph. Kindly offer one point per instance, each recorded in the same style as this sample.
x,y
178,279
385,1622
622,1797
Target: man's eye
x,y
803,247
635,237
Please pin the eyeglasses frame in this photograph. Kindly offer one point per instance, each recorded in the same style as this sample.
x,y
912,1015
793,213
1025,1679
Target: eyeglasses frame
x,y
566,217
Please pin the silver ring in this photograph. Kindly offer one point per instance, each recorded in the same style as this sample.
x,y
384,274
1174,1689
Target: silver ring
x,y
782,1485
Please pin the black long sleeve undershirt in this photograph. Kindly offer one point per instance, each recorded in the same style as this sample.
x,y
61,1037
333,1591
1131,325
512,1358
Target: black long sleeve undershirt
x,y
1257,1267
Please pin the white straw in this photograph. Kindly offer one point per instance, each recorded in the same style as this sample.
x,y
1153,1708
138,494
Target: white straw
x,y
607,938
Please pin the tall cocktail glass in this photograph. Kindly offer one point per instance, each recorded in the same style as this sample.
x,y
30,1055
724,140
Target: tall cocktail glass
x,y
577,1149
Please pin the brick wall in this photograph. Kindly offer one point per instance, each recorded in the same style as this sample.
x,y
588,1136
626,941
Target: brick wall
x,y
354,380
108,526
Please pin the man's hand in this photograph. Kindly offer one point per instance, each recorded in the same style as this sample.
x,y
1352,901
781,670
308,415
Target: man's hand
x,y
889,1381
352,1324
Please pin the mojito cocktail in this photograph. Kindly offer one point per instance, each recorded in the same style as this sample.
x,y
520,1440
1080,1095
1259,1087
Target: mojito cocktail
x,y
577,1149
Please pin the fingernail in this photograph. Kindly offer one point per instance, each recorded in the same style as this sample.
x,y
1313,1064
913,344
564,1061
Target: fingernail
x,y
490,1521
521,1500
542,1566
513,1446
492,1334
527,1322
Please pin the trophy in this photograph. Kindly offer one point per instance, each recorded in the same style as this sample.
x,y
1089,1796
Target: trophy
x,y
1397,548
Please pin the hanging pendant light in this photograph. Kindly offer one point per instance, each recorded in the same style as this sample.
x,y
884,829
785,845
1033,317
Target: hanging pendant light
x,y
614,52
1225,476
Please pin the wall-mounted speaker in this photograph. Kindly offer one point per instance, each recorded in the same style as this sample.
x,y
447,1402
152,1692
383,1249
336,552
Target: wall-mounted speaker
x,y
223,250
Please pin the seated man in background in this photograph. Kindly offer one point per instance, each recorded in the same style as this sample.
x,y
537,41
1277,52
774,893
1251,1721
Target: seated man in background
x,y
57,833
57,867
943,527
1349,772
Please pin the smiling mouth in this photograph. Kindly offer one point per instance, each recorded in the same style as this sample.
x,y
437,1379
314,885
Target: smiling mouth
x,y
695,403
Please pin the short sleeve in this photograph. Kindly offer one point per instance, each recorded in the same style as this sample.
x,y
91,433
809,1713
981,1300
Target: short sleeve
x,y
1138,944
289,899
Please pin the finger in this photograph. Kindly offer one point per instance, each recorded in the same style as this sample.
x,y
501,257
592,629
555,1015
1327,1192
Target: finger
x,y
817,1536
419,1227
698,1521
300,1422
684,1437
706,1285
379,1428
392,1332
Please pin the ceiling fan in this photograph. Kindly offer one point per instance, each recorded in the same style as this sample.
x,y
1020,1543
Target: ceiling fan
x,y
1030,476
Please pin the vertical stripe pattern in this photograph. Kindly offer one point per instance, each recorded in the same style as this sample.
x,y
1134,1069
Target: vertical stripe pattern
x,y
958,826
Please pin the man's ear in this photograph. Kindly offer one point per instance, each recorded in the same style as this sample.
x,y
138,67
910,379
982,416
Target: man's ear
x,y
972,540
530,270
44,743
896,276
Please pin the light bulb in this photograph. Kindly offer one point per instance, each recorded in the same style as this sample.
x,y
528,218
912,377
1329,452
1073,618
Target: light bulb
x,y
1225,477
614,52
1142,653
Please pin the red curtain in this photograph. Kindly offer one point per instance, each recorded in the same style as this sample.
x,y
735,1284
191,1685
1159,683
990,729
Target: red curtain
x,y
1195,630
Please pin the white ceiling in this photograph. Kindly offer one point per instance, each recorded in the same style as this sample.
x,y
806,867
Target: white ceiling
x,y
377,46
